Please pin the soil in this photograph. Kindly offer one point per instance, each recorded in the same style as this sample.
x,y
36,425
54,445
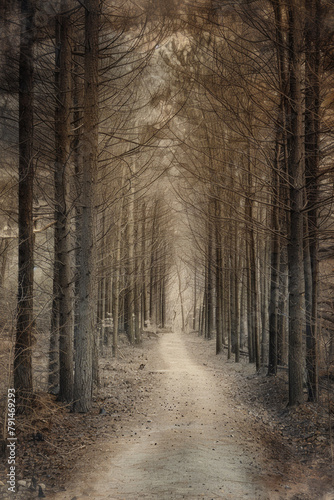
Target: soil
x,y
173,421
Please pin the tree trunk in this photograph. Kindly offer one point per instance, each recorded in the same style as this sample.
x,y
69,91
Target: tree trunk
x,y
131,265
310,337
296,223
312,139
153,265
229,313
137,282
209,305
181,298
83,382
4,248
274,278
24,329
116,287
236,304
53,377
163,287
145,311
62,208
195,299
277,314
251,343
219,279
283,309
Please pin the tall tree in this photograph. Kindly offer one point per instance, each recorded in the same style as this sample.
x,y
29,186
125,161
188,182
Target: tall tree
x,y
277,170
83,380
24,331
312,158
296,224
63,261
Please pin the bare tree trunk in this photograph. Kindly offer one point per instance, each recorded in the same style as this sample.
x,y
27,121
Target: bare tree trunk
x,y
53,378
163,287
195,299
310,338
251,343
236,304
24,329
137,282
274,279
296,181
101,286
312,139
201,318
253,267
137,311
116,287
205,302
209,309
145,311
103,292
131,266
276,326
264,282
219,279
153,265
83,382
228,312
243,303
254,299
283,308
78,104
181,299
4,247
63,204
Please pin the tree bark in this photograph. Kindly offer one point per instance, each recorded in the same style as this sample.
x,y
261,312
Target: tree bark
x,y
209,292
153,265
24,329
236,303
145,311
312,139
275,262
63,204
53,377
296,223
131,264
117,270
195,299
219,279
83,381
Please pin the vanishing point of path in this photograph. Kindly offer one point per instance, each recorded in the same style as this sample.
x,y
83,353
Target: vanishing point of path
x,y
192,442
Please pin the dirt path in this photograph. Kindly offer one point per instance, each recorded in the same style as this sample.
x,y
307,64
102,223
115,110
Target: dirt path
x,y
189,442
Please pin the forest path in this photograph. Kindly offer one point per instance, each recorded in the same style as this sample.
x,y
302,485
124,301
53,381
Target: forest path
x,y
192,443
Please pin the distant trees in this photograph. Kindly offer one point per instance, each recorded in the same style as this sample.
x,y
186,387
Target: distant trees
x,y
257,73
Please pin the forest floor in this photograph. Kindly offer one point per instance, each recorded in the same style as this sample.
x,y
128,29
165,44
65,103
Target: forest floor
x,y
172,420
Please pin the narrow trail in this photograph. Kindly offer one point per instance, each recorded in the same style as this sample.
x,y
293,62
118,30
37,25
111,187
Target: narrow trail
x,y
191,444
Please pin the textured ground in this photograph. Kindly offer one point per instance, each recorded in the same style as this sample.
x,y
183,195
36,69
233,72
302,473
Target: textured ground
x,y
191,438
172,420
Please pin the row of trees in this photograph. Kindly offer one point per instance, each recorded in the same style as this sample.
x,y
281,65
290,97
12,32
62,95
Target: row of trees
x,y
111,109
85,217
257,177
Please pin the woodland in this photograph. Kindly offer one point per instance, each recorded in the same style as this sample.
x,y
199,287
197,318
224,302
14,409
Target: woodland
x,y
165,166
